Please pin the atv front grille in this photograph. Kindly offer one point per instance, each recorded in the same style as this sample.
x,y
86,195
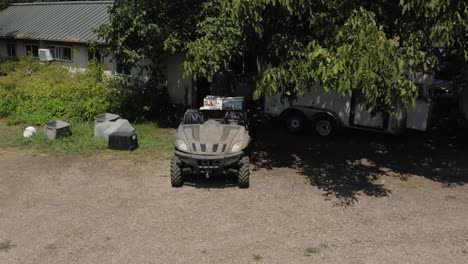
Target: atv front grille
x,y
215,148
208,164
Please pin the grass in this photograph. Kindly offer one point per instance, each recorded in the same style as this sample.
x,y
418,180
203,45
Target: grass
x,y
315,250
6,246
50,246
451,197
257,257
465,251
155,142
312,250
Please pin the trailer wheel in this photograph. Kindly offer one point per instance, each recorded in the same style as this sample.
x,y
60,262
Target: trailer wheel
x,y
244,174
176,173
294,123
325,126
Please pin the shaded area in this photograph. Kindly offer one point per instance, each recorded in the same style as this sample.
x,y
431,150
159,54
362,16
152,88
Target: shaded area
x,y
351,163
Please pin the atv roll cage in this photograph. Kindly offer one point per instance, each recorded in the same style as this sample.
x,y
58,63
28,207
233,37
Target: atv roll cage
x,y
231,117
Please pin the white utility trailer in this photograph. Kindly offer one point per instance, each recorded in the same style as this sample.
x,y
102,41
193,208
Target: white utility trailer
x,y
330,111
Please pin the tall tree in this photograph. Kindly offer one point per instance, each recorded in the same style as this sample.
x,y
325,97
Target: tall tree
x,y
366,46
151,28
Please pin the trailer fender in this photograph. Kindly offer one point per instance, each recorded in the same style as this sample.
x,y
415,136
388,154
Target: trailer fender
x,y
328,114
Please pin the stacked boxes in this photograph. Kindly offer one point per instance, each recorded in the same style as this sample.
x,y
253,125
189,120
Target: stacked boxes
x,y
233,103
223,103
213,102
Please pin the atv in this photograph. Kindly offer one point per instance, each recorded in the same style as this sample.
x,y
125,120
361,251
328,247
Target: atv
x,y
211,142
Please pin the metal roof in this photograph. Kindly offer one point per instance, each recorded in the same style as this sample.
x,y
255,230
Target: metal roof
x,y
55,21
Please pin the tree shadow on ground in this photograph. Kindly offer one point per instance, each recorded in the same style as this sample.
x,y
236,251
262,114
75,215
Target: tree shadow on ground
x,y
351,163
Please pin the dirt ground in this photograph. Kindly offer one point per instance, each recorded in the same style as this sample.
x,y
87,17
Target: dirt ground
x,y
359,198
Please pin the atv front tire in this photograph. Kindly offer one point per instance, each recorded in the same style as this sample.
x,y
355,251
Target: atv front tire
x,y
176,173
244,174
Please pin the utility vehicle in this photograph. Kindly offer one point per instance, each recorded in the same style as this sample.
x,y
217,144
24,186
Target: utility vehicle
x,y
209,142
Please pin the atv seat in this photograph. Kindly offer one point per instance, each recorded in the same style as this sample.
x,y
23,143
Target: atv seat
x,y
234,117
193,117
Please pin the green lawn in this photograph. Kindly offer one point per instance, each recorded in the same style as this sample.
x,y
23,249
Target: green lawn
x,y
155,142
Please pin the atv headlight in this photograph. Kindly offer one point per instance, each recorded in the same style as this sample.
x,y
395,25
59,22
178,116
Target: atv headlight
x,y
180,144
238,146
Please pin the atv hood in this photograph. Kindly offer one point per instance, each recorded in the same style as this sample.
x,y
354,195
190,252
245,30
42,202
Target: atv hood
x,y
212,137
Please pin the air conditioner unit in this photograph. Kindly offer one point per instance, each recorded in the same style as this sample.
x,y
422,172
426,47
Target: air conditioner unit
x,y
45,55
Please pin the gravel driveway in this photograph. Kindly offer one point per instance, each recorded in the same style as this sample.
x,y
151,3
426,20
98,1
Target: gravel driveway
x,y
355,199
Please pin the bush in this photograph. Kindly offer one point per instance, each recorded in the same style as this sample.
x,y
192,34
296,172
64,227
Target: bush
x,y
33,93
140,101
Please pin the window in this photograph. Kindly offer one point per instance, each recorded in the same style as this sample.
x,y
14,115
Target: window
x,y
60,53
11,49
52,50
63,53
123,69
94,55
32,50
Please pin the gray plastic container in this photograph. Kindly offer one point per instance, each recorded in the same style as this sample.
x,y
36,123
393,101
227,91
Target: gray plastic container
x,y
105,117
57,128
103,130
100,129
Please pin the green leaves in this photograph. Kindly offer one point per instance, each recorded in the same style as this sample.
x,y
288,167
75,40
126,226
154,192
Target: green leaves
x,y
150,29
33,93
221,40
366,46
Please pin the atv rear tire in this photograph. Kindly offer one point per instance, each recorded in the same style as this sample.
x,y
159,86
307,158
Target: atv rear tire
x,y
176,173
244,174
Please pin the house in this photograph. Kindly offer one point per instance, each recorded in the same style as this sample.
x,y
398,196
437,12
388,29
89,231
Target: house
x,y
66,28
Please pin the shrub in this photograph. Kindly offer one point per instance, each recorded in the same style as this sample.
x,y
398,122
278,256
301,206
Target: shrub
x,y
33,93
140,101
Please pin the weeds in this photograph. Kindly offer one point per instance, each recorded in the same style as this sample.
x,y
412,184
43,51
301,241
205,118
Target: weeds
x,y
6,245
451,197
315,250
312,250
50,246
257,257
